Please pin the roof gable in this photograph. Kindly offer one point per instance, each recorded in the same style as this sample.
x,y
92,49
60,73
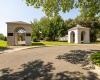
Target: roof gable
x,y
78,27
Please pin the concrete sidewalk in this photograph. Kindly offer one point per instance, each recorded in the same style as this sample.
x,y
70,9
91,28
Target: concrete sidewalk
x,y
16,48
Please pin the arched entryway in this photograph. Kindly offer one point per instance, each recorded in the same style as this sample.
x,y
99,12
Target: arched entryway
x,y
19,35
82,36
72,37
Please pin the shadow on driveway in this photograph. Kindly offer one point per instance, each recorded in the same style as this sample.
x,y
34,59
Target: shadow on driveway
x,y
37,70
77,57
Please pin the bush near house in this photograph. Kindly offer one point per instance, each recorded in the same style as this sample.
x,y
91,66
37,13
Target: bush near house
x,y
96,58
35,39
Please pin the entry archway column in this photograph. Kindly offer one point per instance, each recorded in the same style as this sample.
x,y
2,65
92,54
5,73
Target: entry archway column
x,y
69,37
77,37
87,37
10,35
28,38
16,38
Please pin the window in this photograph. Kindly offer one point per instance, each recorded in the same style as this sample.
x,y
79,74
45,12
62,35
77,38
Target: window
x,y
10,34
28,34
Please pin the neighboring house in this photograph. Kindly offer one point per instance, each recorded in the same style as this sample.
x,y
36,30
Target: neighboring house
x,y
64,38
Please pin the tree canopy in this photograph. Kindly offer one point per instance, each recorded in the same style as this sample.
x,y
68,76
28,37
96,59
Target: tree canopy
x,y
88,8
49,28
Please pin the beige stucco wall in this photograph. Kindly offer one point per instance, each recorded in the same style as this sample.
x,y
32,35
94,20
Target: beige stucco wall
x,y
11,27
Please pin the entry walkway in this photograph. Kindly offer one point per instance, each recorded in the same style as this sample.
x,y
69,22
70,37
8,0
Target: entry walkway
x,y
17,48
49,63
14,48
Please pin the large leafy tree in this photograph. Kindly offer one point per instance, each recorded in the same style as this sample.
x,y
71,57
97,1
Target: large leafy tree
x,y
35,29
49,28
70,23
44,25
88,8
58,27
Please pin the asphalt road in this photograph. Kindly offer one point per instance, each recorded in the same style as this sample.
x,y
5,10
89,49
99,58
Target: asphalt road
x,y
49,63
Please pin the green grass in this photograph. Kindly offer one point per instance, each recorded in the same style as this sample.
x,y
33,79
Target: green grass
x,y
50,43
3,45
97,42
96,58
55,43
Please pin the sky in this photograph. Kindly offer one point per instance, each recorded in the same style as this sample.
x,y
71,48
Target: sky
x,y
17,10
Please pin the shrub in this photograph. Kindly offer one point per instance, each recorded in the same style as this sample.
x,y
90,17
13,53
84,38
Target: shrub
x,y
35,39
5,38
47,39
96,58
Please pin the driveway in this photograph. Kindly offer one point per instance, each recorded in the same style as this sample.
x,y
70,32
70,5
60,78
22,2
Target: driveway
x,y
49,63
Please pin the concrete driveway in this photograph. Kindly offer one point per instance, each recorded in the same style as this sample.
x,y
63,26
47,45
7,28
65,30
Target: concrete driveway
x,y
49,63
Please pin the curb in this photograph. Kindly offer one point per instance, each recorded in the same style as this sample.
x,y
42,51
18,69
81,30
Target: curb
x,y
97,68
18,49
13,50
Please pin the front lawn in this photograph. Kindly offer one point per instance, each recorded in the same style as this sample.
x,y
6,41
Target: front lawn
x,y
50,43
3,45
96,58
96,42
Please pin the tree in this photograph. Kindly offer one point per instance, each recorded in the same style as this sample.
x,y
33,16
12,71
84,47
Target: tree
x,y
70,23
35,30
49,28
53,27
58,27
5,38
45,25
1,36
88,8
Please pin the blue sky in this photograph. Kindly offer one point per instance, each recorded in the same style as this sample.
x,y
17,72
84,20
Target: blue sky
x,y
17,10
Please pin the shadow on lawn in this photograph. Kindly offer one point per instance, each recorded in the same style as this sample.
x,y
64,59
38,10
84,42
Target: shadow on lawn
x,y
37,70
3,48
38,44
